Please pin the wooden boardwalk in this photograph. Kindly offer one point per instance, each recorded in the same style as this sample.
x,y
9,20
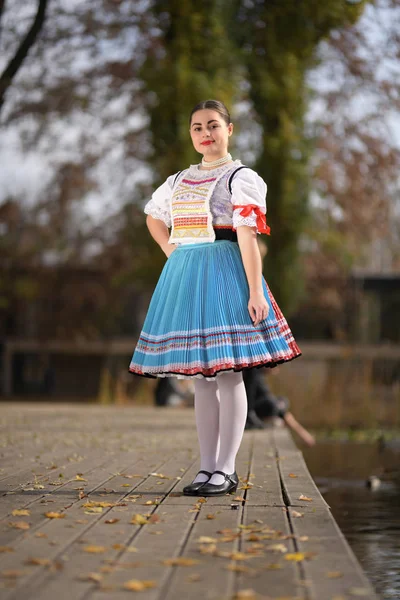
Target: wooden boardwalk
x,y
91,509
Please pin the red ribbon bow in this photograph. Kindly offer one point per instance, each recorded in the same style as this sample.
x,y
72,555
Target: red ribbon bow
x,y
261,219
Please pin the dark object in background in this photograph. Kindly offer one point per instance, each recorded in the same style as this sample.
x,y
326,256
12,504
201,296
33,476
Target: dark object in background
x,y
166,389
262,404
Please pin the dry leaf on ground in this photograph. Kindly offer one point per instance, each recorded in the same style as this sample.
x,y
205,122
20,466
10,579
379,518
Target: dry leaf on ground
x,y
299,556
137,585
41,562
6,549
19,525
96,577
277,548
305,498
180,562
208,549
54,515
111,521
11,573
21,512
292,475
95,549
139,519
296,514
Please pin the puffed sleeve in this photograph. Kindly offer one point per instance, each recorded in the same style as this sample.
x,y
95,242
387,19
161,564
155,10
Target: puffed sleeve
x,y
159,204
249,192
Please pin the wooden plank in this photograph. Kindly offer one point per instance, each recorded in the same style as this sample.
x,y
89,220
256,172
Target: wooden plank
x,y
269,537
296,480
265,480
329,563
210,577
141,441
63,533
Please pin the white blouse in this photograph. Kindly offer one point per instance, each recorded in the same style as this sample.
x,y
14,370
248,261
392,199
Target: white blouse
x,y
248,188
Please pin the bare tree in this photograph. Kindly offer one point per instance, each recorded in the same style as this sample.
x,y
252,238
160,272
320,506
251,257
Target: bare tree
x,y
22,51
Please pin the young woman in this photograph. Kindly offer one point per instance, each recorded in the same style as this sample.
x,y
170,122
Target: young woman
x,y
212,315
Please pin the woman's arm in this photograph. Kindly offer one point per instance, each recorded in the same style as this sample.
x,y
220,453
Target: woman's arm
x,y
258,306
159,232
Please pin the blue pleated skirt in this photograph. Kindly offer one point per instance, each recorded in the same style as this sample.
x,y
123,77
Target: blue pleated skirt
x,y
198,323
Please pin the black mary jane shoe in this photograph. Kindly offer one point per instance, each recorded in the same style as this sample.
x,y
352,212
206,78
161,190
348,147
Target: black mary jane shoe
x,y
192,488
211,489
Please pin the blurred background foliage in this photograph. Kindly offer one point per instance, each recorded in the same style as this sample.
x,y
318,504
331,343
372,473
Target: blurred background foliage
x,y
94,115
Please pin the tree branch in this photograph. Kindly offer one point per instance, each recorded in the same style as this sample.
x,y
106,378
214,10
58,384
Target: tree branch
x,y
16,62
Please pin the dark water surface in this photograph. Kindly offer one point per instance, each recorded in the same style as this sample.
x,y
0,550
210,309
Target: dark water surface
x,y
370,519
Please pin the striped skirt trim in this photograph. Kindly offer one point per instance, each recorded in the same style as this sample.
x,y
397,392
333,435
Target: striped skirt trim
x,y
198,323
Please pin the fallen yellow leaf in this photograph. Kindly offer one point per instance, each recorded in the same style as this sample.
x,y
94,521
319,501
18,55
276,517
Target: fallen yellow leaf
x,y
208,549
159,475
94,549
96,577
305,498
54,515
238,568
19,524
139,519
111,521
79,478
12,573
6,549
273,566
210,516
206,540
38,561
277,548
21,512
295,556
292,475
296,514
180,562
136,585
93,509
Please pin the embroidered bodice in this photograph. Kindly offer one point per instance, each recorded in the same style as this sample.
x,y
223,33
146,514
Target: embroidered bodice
x,y
195,201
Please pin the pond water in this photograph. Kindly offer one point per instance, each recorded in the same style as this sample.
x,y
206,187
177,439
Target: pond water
x,y
370,519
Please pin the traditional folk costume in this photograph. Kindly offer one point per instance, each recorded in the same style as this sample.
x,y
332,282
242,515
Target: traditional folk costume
x,y
198,323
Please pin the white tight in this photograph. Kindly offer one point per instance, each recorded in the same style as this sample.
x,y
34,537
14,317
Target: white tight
x,y
220,410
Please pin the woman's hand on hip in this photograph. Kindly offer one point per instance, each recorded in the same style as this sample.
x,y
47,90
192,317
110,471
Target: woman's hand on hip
x,y
258,307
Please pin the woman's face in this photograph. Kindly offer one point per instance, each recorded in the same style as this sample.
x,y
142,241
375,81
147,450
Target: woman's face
x,y
210,134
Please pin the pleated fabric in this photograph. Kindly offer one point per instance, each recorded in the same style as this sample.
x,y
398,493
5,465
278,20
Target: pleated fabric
x,y
198,323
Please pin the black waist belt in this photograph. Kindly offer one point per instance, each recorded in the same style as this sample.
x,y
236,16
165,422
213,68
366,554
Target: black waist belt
x,y
225,234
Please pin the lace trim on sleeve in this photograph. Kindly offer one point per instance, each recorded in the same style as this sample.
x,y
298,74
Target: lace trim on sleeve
x,y
250,215
156,212
238,220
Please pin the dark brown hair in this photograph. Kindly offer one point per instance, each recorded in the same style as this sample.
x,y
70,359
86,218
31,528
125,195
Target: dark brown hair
x,y
216,105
